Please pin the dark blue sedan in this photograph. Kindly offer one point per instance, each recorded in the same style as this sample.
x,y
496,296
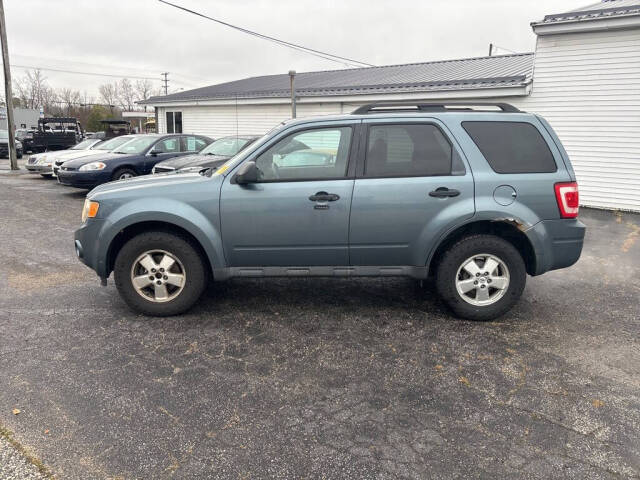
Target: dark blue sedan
x,y
136,157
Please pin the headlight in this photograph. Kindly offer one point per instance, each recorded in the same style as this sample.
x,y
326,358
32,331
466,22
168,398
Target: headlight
x,y
92,166
89,210
41,159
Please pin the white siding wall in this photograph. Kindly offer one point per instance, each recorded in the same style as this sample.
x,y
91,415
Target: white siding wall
x,y
587,85
219,121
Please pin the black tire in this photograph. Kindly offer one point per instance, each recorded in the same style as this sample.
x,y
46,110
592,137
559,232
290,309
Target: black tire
x,y
118,174
462,250
179,247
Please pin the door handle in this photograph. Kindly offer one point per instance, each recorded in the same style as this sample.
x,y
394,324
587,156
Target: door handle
x,y
444,192
324,197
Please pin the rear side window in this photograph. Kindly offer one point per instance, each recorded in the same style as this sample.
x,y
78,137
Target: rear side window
x,y
512,147
407,150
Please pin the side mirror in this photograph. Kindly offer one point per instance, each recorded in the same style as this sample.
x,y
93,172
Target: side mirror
x,y
154,153
248,173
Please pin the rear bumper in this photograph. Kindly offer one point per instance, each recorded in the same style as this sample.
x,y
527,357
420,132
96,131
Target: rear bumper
x,y
558,243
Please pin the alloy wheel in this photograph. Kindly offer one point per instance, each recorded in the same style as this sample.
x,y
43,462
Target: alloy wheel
x,y
482,280
158,276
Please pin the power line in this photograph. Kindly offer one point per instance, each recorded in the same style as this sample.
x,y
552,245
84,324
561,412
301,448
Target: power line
x,y
100,65
294,46
84,73
67,62
78,72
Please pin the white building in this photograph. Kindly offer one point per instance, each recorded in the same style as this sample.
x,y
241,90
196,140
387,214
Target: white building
x,y
584,78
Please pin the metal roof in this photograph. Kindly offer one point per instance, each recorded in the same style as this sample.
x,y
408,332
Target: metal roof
x,y
469,73
602,9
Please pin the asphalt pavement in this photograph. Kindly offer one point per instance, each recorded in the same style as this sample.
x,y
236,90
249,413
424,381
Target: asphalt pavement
x,y
315,378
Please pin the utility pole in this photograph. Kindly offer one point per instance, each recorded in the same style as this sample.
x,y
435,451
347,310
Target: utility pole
x,y
166,82
292,78
13,161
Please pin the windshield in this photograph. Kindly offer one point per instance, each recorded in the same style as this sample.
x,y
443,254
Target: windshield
x,y
225,146
83,145
4,134
138,145
113,143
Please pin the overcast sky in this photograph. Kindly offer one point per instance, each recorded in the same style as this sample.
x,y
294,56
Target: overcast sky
x,y
146,37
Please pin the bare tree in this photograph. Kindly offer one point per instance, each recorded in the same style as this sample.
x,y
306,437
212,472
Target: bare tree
x,y
69,98
144,90
126,94
34,91
109,93
85,99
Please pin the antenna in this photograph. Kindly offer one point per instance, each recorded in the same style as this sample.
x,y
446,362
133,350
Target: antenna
x,y
166,82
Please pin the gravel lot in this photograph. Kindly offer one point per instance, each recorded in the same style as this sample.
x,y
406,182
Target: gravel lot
x,y
300,378
13,465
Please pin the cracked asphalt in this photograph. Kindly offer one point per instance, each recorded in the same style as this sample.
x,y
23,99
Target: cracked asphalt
x,y
367,378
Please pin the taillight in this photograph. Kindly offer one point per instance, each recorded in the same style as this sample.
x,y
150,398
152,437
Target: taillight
x,y
567,198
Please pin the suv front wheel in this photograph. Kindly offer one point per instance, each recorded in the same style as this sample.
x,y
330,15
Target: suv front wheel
x,y
159,274
481,277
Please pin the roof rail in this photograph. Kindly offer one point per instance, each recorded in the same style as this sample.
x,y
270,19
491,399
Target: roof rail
x,y
429,107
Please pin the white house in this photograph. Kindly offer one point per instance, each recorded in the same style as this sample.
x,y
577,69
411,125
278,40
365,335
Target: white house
x,y
584,78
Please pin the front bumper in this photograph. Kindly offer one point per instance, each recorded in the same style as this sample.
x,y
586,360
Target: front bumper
x,y
41,169
558,243
89,179
86,242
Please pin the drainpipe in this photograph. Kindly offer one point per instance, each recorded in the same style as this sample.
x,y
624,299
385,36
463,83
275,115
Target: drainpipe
x,y
292,76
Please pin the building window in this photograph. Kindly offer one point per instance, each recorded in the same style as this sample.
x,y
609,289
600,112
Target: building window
x,y
174,122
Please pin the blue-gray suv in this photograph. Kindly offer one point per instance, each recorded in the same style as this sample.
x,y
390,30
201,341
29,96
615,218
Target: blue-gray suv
x,y
476,196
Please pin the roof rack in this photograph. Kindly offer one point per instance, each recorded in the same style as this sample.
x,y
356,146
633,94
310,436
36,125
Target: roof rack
x,y
429,107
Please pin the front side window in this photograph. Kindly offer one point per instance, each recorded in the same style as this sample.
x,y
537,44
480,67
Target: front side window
x,y
168,145
308,155
407,150
193,144
512,147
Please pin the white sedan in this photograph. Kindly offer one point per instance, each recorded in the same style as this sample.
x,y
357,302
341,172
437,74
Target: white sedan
x,y
42,162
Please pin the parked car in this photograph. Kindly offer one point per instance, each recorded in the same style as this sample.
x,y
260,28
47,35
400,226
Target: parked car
x,y
99,148
476,198
136,157
42,163
212,156
4,145
26,138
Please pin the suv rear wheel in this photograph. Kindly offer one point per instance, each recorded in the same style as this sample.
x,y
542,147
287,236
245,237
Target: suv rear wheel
x,y
481,277
159,274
